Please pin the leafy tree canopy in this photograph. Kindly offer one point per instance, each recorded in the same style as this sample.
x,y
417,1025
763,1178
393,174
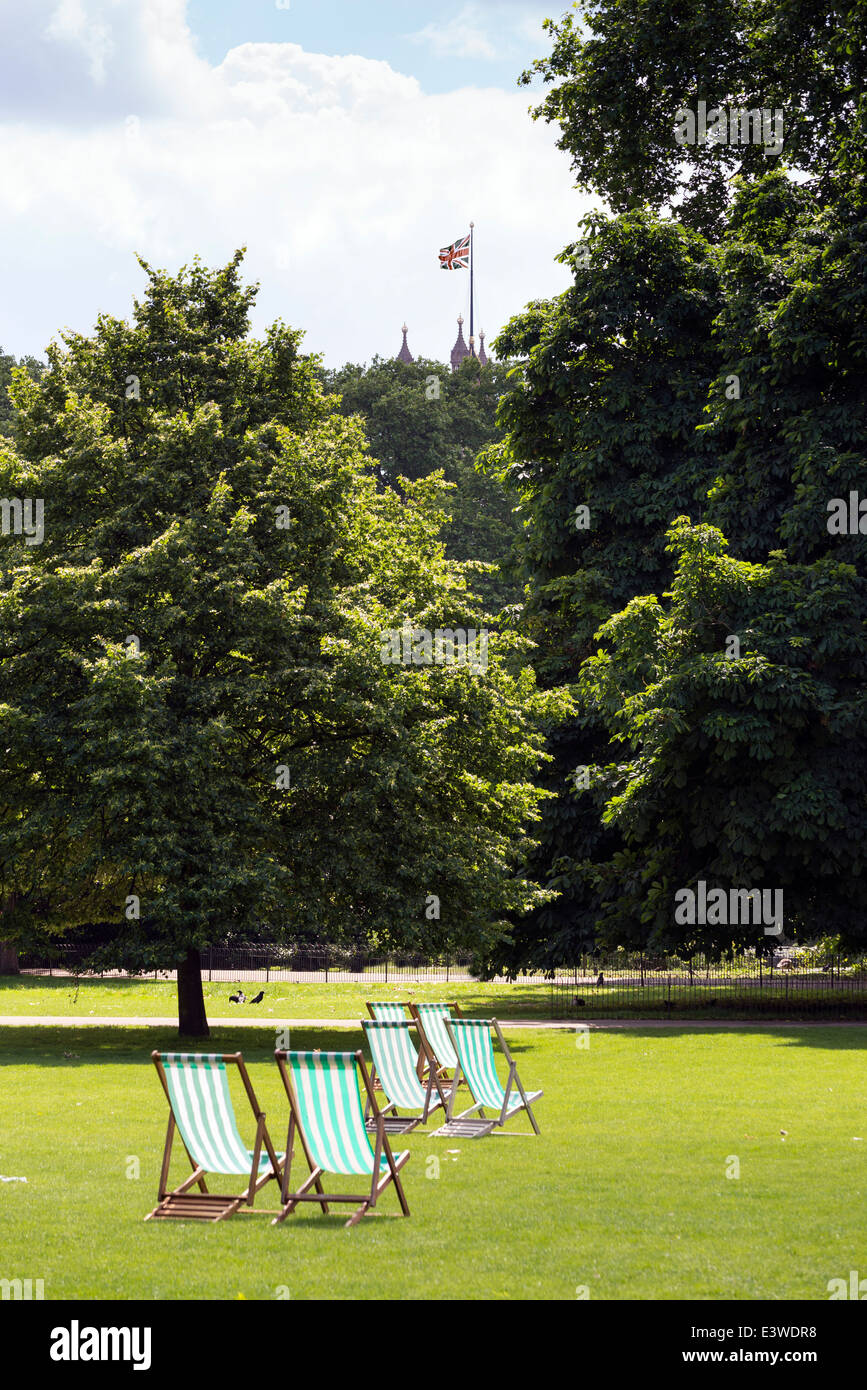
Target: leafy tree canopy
x,y
201,734
619,70
743,762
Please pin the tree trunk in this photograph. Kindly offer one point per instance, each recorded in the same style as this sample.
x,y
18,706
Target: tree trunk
x,y
192,1019
8,959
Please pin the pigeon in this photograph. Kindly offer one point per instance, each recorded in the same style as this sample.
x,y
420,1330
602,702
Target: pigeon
x,y
239,998
601,980
257,998
579,1002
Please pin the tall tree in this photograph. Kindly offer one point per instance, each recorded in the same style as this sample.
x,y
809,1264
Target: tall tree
x,y
602,444
202,732
770,433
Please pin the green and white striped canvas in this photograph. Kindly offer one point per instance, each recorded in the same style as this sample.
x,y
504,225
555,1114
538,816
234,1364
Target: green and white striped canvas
x,y
396,1060
326,1090
384,1011
203,1111
433,1017
476,1053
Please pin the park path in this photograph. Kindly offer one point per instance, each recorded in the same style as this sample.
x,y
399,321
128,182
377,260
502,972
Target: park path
x,y
112,1021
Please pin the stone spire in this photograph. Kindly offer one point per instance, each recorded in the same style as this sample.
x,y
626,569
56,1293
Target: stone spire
x,y
483,356
404,355
460,349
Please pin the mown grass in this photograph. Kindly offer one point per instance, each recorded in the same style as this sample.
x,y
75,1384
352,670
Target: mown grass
x,y
63,996
625,1192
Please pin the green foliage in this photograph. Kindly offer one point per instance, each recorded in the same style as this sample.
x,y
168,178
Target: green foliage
x,y
744,770
611,387
794,332
612,382
619,71
205,610
420,417
720,379
33,367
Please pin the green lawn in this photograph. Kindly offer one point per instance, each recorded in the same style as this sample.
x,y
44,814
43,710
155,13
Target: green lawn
x,y
63,996
625,1192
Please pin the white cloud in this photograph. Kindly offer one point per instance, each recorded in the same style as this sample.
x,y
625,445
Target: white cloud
x,y
462,37
340,175
70,23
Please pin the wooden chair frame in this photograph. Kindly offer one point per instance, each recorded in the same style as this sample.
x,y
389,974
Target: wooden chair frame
x,y
466,1127
379,1182
442,1071
211,1206
395,1123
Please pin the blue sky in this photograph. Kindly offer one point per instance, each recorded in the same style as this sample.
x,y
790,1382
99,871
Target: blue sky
x,y
341,141
444,45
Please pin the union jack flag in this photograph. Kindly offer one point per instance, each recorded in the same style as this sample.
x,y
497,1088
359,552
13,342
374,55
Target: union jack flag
x,y
456,256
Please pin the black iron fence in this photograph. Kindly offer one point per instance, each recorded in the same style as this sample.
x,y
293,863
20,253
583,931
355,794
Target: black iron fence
x,y
797,985
637,986
265,961
328,963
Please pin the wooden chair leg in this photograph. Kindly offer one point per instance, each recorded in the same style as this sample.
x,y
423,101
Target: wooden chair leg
x,y
357,1215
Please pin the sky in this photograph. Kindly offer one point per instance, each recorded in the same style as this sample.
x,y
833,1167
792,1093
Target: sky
x,y
343,142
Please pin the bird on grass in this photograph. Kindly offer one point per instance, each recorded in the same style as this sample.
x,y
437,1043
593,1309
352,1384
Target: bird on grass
x,y
257,998
601,980
239,998
580,1002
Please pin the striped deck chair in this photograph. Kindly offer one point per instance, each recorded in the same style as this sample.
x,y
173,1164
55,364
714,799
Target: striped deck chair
x,y
474,1047
431,1020
386,1011
398,1066
200,1108
326,1115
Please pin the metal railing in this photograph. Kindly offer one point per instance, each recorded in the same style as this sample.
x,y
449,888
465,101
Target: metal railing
x,y
266,961
638,986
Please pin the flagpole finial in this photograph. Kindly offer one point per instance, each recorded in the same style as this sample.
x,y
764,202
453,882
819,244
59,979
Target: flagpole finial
x,y
472,224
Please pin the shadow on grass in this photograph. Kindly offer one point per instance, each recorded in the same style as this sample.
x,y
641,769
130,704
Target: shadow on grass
x,y
46,1046
842,1037
69,1046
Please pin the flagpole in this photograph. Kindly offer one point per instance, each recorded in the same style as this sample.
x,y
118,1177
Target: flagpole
x,y
472,344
